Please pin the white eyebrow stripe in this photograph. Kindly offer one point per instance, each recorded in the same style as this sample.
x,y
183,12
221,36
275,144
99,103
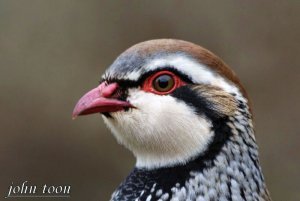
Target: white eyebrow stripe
x,y
197,72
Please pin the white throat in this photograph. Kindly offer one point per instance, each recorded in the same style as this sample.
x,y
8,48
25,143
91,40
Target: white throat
x,y
184,147
162,131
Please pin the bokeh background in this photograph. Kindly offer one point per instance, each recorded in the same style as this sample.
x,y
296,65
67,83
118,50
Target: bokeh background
x,y
51,52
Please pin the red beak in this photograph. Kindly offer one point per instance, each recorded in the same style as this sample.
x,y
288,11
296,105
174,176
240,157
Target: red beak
x,y
99,100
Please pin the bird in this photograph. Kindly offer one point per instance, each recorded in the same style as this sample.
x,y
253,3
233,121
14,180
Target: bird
x,y
187,119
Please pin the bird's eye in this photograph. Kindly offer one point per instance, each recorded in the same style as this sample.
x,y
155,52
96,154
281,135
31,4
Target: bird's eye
x,y
163,83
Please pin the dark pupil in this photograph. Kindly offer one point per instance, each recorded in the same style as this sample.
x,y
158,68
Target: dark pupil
x,y
163,81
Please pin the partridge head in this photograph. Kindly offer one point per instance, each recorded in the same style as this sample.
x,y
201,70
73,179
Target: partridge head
x,y
186,117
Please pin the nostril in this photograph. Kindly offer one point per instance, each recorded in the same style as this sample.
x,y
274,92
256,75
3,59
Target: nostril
x,y
109,90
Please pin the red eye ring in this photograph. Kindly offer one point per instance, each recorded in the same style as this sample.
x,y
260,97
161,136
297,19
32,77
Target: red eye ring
x,y
148,84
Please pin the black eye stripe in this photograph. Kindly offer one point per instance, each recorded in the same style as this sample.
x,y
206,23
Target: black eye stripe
x,y
183,76
132,83
199,103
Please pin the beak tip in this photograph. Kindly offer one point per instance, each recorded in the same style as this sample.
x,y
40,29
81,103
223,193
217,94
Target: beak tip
x,y
74,115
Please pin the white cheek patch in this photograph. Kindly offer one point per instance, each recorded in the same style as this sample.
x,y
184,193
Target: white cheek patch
x,y
162,131
199,73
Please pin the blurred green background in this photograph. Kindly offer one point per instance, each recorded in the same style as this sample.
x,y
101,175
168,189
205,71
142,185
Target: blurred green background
x,y
52,51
